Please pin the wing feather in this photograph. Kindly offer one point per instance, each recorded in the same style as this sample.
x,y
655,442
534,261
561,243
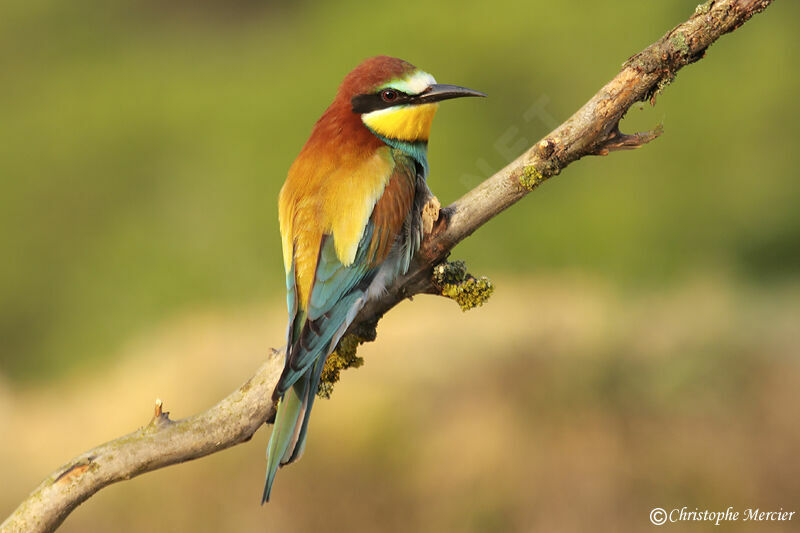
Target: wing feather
x,y
339,289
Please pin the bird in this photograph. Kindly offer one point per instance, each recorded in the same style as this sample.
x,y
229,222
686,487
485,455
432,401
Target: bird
x,y
351,221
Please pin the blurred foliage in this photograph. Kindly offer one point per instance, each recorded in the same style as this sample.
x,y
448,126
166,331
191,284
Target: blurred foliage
x,y
143,144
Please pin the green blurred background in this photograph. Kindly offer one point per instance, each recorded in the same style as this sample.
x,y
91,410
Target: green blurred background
x,y
142,147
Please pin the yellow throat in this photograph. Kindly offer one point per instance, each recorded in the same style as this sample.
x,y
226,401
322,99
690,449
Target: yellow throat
x,y
405,123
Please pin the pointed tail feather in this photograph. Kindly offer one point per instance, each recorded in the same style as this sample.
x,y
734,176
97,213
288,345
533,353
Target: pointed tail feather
x,y
285,432
316,374
287,442
288,439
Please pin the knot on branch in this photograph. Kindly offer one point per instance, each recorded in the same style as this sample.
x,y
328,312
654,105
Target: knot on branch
x,y
454,282
342,358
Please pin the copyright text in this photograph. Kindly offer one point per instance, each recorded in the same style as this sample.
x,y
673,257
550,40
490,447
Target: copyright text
x,y
659,516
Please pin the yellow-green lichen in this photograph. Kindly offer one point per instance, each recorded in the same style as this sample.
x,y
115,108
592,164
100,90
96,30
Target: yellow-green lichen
x,y
456,283
342,358
448,273
704,8
530,178
678,40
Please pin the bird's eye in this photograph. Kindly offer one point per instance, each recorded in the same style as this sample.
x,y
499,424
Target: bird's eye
x,y
388,95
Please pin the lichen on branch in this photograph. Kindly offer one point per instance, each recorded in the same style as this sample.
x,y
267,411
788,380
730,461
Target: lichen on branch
x,y
342,358
454,282
531,178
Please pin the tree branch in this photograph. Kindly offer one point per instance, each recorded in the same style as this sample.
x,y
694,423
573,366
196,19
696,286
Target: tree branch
x,y
592,130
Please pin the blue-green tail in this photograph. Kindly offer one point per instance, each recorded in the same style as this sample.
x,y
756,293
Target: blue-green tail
x,y
288,439
313,332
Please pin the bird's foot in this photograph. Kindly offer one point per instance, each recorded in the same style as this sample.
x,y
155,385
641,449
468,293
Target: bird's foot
x,y
430,214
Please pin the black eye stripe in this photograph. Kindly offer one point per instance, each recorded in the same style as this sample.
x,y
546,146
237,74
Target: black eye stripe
x,y
365,103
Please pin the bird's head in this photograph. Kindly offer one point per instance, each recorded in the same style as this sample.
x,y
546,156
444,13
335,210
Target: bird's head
x,y
395,99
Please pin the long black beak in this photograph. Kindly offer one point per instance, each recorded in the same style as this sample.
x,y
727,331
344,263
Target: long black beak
x,y
442,91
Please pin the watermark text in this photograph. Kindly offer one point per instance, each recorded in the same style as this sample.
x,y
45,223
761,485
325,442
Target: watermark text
x,y
660,516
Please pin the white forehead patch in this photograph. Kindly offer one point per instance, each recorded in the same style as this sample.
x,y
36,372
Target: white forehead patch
x,y
414,83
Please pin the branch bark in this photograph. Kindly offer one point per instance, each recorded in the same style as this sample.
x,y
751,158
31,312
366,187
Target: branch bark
x,y
592,130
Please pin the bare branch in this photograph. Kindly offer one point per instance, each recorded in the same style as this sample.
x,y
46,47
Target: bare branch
x,y
592,130
162,442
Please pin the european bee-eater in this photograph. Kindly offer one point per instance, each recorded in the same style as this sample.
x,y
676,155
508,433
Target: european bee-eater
x,y
351,221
